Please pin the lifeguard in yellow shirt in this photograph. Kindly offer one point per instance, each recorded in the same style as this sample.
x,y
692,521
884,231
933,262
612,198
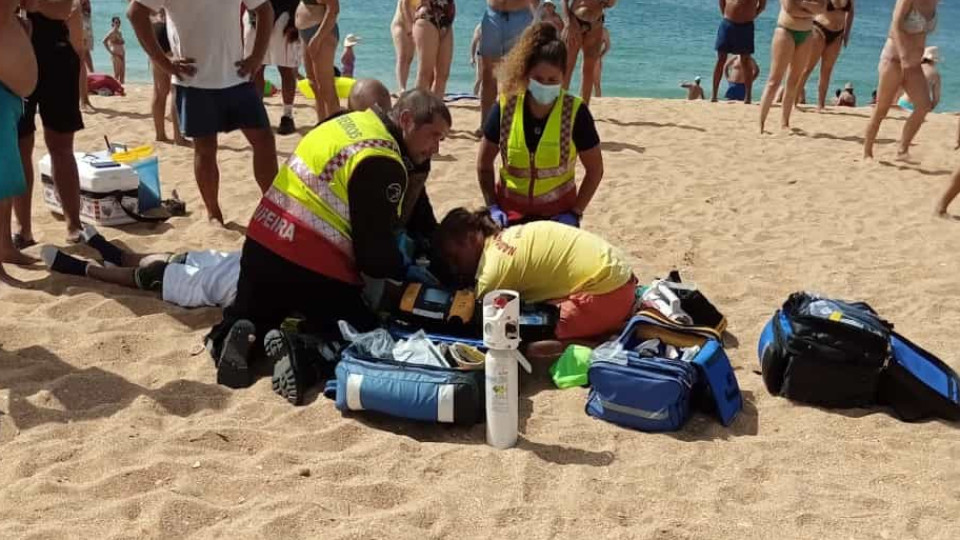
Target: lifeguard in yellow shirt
x,y
545,261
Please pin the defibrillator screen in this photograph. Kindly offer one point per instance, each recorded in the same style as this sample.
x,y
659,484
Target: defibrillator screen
x,y
437,297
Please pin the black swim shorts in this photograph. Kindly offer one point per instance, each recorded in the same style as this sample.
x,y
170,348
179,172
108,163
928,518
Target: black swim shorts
x,y
57,95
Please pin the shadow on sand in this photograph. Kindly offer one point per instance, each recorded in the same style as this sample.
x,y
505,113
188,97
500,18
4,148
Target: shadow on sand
x,y
640,123
88,393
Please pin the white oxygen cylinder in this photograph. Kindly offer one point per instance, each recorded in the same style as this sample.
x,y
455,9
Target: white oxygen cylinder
x,y
501,336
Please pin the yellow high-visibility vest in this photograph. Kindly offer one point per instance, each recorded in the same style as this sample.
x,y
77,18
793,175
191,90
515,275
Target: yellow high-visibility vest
x,y
306,211
536,179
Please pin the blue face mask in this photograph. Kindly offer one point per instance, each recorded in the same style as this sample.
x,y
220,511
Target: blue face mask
x,y
544,94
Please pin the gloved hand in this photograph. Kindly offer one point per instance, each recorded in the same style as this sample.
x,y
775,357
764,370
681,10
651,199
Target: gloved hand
x,y
420,274
567,218
407,248
498,216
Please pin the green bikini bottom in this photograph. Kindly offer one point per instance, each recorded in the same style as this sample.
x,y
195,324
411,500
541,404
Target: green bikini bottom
x,y
799,36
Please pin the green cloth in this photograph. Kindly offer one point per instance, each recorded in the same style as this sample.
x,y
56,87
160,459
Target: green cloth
x,y
571,368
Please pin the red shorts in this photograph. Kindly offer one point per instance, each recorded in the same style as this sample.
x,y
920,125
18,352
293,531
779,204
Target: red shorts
x,y
590,315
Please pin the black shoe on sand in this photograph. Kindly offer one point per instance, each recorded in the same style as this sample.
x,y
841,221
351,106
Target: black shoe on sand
x,y
300,361
286,126
233,368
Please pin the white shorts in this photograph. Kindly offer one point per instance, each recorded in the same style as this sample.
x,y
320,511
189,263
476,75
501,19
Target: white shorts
x,y
280,52
206,278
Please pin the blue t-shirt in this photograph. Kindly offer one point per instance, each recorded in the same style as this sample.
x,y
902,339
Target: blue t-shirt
x,y
12,182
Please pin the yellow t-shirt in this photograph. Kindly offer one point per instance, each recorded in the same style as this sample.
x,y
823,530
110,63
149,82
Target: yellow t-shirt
x,y
549,261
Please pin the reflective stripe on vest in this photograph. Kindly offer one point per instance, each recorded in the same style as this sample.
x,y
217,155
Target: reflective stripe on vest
x,y
529,180
297,211
305,215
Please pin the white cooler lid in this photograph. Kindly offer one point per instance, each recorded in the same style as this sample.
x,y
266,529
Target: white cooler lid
x,y
98,180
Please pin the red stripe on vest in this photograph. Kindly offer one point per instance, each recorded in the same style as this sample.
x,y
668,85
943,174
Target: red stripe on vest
x,y
289,238
514,207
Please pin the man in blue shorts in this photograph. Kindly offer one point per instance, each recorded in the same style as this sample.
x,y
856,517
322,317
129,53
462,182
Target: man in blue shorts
x,y
18,79
736,36
737,73
500,28
212,79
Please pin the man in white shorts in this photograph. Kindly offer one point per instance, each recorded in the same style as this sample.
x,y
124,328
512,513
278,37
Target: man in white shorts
x,y
283,52
190,279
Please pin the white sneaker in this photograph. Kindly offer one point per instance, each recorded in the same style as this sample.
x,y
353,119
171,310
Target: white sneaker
x,y
49,254
88,232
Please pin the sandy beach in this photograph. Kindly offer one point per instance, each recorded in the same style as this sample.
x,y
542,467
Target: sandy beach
x,y
112,426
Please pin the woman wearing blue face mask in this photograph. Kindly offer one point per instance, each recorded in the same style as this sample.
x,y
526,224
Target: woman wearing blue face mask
x,y
538,131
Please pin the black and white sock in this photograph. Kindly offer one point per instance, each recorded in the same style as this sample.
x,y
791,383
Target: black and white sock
x,y
110,253
62,263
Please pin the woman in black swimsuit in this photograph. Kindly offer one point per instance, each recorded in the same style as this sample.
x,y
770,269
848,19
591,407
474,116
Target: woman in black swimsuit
x,y
161,88
433,37
831,33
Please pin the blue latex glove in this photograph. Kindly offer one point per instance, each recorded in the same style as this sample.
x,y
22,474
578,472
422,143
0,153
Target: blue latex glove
x,y
420,274
407,248
498,216
567,218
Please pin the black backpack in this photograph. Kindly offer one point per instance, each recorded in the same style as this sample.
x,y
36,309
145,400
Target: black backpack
x,y
825,352
842,354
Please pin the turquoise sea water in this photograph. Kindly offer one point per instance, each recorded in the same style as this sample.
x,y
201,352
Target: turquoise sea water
x,y
656,43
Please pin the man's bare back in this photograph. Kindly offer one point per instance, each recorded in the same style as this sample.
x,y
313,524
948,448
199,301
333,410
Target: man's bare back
x,y
508,5
743,11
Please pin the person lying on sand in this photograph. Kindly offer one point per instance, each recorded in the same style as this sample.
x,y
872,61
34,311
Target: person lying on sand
x,y
187,279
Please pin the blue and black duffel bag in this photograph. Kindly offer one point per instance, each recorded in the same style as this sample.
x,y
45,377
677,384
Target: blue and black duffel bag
x,y
824,351
405,390
841,354
657,393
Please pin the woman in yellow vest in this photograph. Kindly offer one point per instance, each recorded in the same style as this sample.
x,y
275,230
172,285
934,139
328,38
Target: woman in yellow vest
x,y
537,131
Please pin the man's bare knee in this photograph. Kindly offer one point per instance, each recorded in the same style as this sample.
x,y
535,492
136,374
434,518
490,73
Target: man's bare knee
x,y
58,143
205,147
260,139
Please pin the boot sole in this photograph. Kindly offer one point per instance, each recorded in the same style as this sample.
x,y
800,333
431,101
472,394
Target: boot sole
x,y
284,380
233,369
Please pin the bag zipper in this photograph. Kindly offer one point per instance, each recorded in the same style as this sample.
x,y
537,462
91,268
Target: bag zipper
x,y
402,366
659,370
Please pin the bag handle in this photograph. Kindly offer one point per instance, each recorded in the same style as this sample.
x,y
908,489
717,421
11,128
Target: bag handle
x,y
653,318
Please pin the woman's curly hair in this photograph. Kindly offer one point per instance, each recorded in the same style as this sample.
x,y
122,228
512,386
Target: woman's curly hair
x,y
539,43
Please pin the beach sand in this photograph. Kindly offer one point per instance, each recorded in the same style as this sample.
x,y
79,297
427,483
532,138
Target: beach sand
x,y
112,426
